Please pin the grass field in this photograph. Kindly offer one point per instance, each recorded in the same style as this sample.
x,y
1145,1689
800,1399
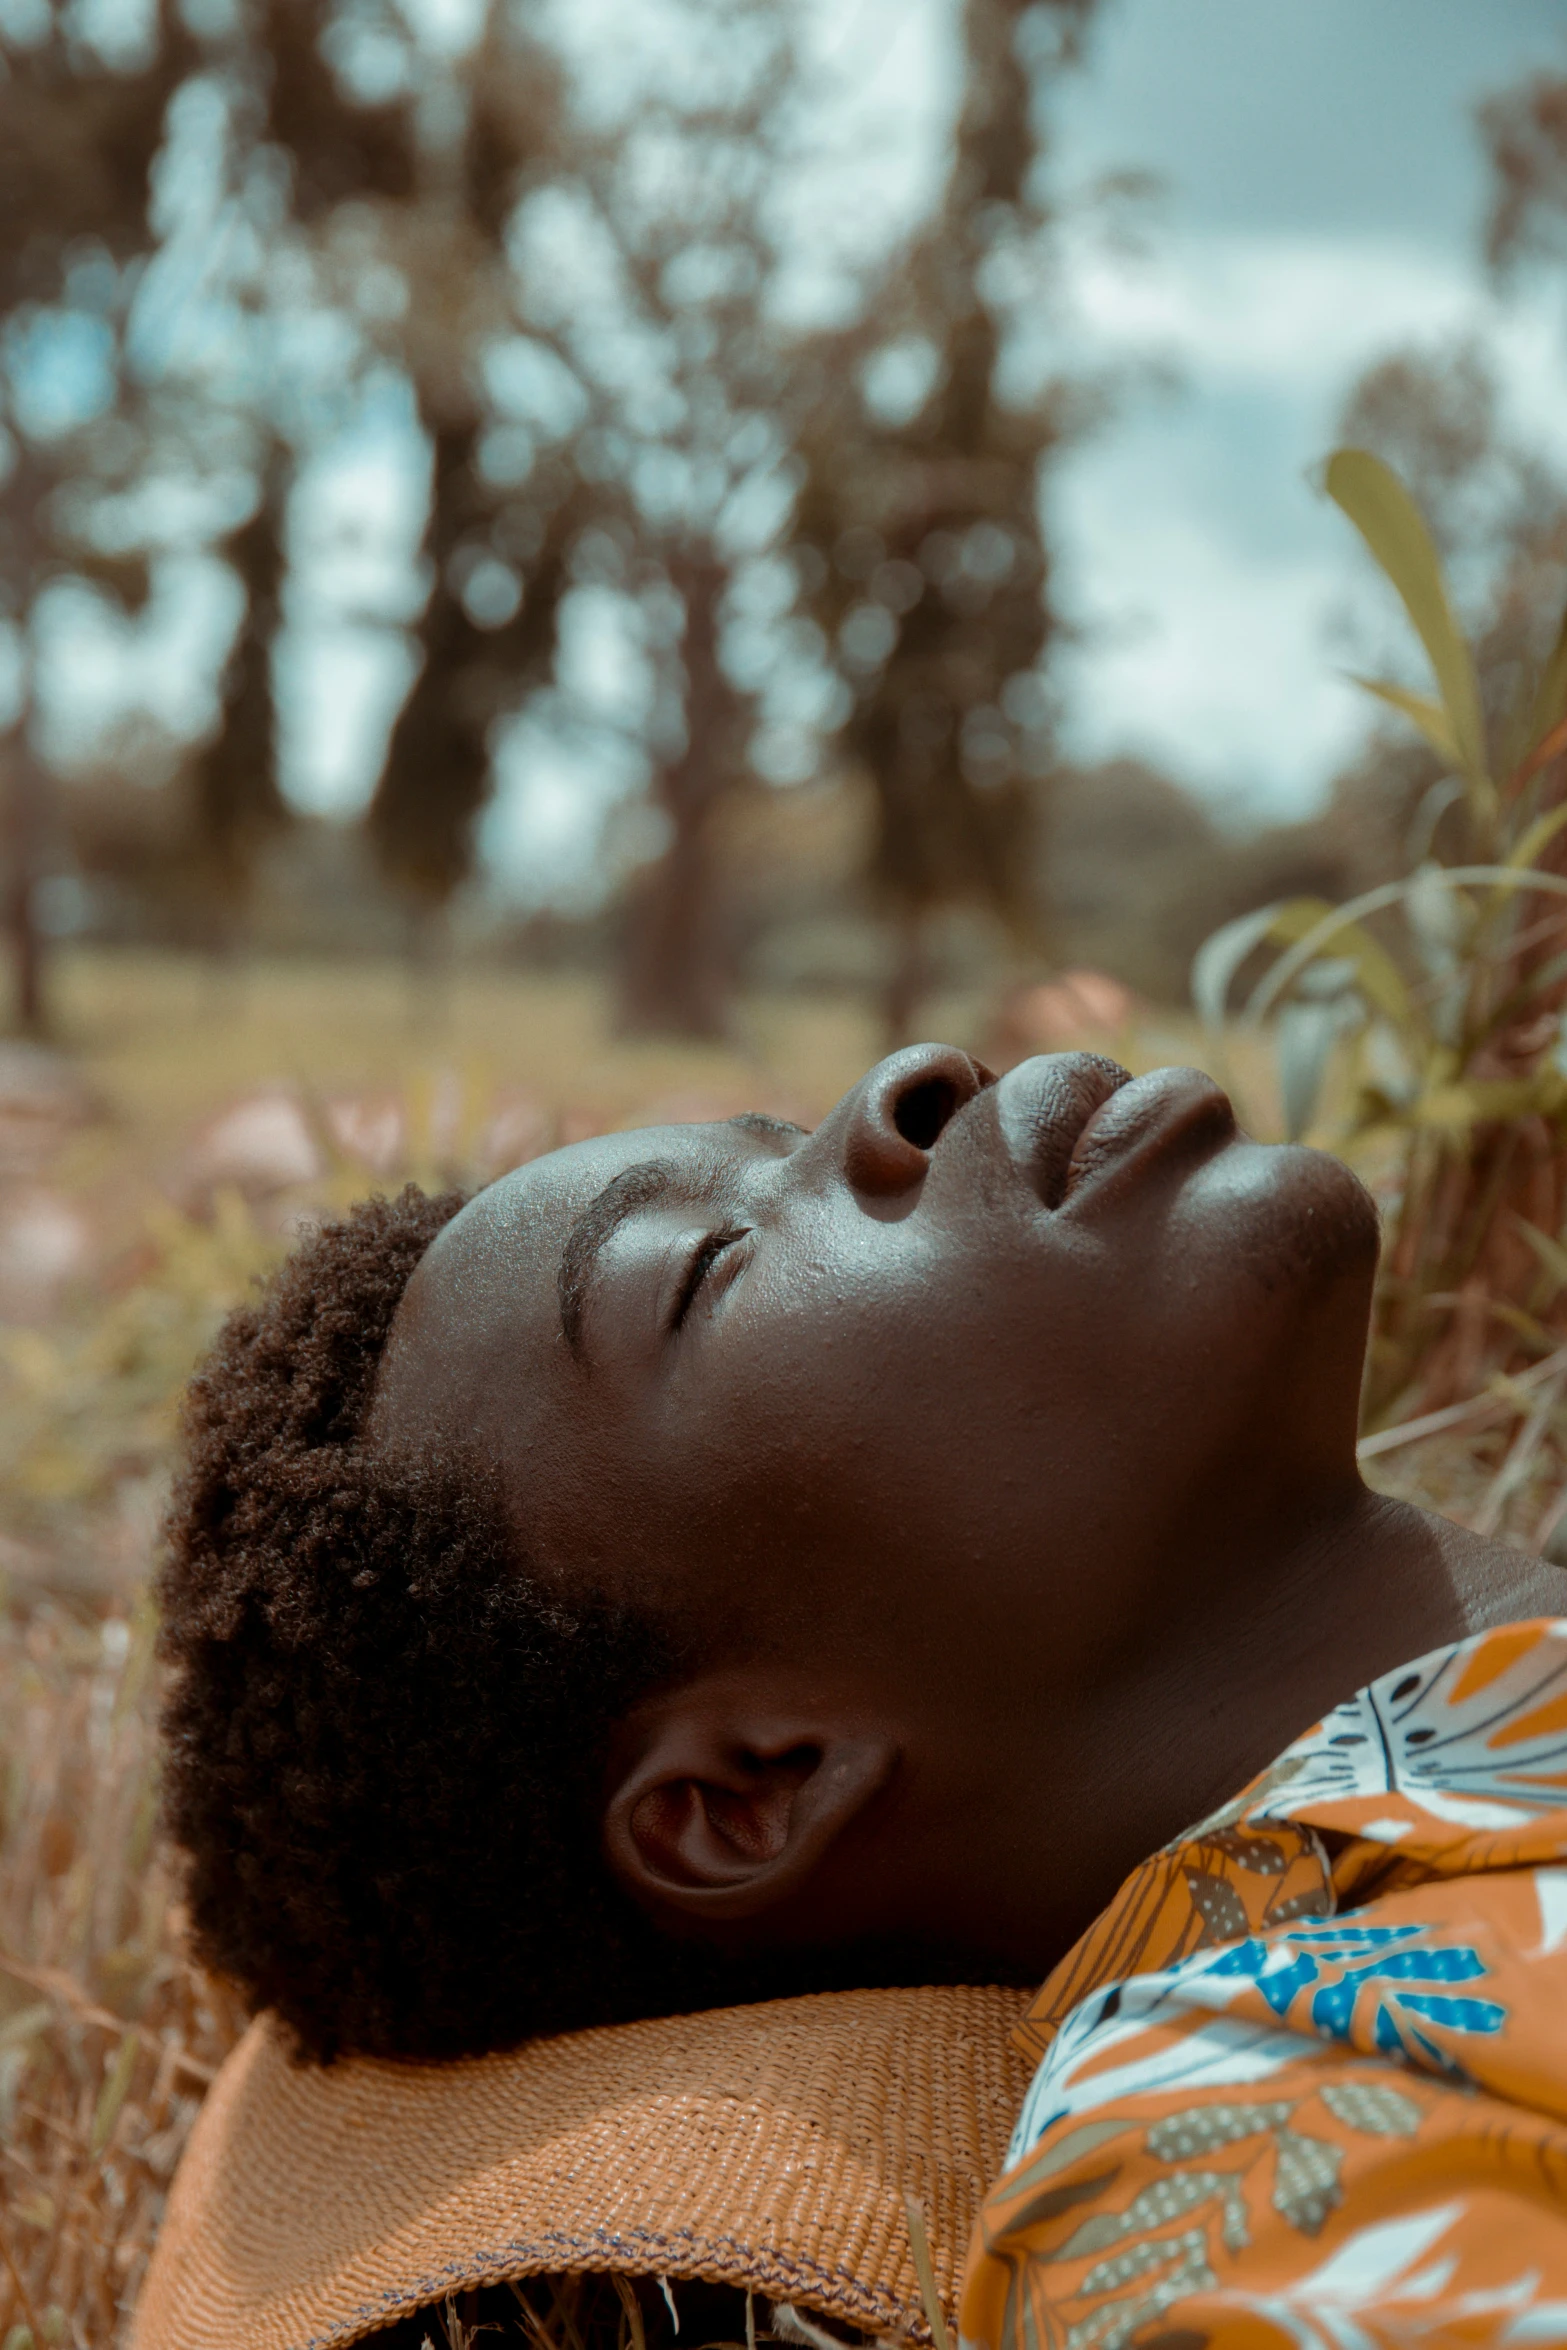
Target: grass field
x,y
202,1114
193,1120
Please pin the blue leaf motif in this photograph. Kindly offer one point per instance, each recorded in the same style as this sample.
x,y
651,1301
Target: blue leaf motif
x,y
1251,1959
1459,2015
1333,2009
1425,1966
1367,1937
1390,2040
1278,1990
1244,1958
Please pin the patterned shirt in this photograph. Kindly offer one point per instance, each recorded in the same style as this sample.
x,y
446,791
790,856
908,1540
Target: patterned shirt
x,y
1305,2080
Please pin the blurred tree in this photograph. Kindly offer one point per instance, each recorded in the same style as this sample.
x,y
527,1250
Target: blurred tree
x,y
1432,413
286,108
679,961
1525,134
412,204
919,535
365,180
497,570
407,196
237,803
80,125
694,389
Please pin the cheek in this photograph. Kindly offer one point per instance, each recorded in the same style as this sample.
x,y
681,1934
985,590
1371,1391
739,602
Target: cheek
x,y
909,1425
881,1418
804,1415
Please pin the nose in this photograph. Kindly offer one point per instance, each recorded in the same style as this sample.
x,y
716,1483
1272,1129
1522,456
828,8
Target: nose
x,y
895,1116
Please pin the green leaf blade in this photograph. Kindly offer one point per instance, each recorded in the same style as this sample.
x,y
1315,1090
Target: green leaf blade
x,y
1387,518
1428,717
1219,958
1550,695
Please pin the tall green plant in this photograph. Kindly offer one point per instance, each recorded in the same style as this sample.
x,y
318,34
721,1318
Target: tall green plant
x,y
1419,1027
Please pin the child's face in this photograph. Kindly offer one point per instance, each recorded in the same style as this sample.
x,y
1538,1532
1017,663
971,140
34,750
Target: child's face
x,y
953,1403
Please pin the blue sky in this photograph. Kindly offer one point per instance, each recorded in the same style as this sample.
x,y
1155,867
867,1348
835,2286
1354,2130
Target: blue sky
x,y
1323,195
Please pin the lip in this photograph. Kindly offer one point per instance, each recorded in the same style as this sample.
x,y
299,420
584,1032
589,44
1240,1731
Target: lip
x,y
1045,1105
1076,1124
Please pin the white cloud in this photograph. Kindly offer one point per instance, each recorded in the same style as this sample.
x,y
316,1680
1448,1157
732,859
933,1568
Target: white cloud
x,y
1194,544
1261,309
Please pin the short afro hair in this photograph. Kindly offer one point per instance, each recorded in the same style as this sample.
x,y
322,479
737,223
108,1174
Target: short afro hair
x,y
385,1739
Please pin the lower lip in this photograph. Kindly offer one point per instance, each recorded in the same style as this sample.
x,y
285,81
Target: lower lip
x,y
1044,1105
1146,1120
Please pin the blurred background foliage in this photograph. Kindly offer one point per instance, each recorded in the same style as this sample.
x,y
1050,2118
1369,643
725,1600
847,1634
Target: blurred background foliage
x,y
803,523
748,534
258,217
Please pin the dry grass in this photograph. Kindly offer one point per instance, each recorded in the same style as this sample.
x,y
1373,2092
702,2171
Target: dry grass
x,y
107,2037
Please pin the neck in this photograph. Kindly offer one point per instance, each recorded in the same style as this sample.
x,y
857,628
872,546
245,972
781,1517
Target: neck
x,y
1300,1622
1330,1604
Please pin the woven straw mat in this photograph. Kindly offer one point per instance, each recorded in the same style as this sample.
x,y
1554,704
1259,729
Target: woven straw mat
x,y
770,2147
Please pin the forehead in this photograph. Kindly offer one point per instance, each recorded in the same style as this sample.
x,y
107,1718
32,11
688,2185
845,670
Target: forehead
x,y
487,1285
513,1231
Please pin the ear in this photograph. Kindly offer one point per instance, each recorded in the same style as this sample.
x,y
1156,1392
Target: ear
x,y
729,1808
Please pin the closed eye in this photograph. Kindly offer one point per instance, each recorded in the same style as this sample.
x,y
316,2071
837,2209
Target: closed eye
x,y
699,1265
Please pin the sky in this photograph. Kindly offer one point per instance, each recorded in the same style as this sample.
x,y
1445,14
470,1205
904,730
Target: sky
x,y
1323,195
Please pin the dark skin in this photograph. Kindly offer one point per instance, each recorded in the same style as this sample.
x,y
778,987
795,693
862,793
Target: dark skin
x,y
994,1446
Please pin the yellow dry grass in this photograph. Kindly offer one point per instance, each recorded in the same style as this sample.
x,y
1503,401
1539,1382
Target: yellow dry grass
x,y
107,2037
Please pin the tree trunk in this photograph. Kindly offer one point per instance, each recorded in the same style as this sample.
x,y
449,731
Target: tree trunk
x,y
237,804
25,812
437,774
678,969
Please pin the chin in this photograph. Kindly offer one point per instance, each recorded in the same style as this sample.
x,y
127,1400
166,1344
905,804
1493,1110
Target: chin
x,y
1325,1224
1281,1239
1279,1251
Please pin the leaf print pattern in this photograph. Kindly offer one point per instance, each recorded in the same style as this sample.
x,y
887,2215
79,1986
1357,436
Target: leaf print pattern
x,y
1305,2081
1475,1740
1305,2186
1371,2107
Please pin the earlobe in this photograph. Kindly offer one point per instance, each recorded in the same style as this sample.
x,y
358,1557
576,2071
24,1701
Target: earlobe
x,y
723,1819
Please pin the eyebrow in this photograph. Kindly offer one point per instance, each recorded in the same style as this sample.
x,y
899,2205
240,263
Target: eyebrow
x,y
633,1188
771,1129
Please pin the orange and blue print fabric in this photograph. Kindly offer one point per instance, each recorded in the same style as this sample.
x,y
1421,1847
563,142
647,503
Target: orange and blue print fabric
x,y
1305,2080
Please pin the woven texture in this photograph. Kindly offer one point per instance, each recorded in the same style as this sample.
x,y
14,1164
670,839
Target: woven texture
x,y
770,2147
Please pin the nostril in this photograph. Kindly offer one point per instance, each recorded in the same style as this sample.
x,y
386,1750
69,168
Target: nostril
x,y
921,1111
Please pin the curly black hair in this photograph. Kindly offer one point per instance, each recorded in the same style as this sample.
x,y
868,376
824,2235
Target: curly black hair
x,y
384,1737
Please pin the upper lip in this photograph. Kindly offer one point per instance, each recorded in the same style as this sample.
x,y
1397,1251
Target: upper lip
x,y
1044,1107
1075,1124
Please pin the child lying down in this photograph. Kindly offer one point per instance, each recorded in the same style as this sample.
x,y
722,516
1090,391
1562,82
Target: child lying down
x,y
724,1562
